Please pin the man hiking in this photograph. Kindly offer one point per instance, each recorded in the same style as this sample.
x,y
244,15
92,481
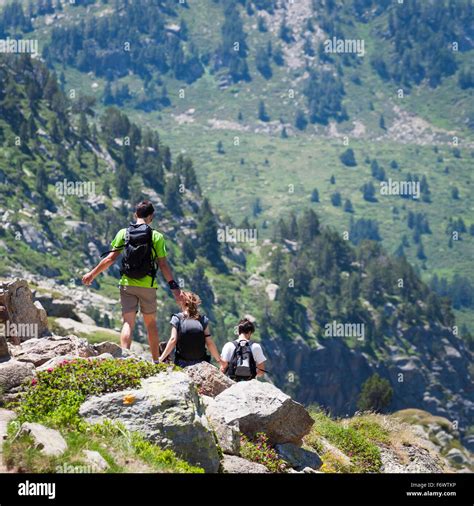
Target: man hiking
x,y
144,249
243,360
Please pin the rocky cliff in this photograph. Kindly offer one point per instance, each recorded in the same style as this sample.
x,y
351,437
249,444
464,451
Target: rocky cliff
x,y
432,373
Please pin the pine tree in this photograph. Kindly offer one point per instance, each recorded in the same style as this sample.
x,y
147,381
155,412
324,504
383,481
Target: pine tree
x,y
172,198
209,246
122,179
300,121
336,199
84,132
348,206
368,192
262,62
376,394
348,158
315,195
262,113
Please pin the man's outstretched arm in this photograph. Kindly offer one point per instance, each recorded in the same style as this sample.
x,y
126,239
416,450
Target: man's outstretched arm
x,y
168,275
100,267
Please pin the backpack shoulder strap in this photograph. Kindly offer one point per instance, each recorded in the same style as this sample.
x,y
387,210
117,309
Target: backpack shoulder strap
x,y
127,236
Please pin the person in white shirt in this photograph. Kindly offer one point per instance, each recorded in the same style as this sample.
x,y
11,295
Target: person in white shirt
x,y
229,364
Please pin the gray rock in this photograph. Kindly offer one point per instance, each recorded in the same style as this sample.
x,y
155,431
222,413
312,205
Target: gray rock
x,y
261,407
103,356
141,350
417,460
61,308
457,456
167,411
271,290
49,441
209,379
34,236
54,362
228,434
299,458
6,417
238,465
13,373
113,349
40,351
95,461
85,318
29,317
327,447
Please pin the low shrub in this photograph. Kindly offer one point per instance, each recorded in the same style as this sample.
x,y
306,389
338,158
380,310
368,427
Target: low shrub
x,y
55,395
355,442
261,452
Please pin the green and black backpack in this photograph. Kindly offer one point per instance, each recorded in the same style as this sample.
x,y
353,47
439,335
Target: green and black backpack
x,y
138,258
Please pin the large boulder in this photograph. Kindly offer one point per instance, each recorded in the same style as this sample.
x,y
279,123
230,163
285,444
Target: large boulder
x,y
39,351
29,318
13,373
48,441
167,411
209,379
228,434
297,457
238,465
261,407
58,307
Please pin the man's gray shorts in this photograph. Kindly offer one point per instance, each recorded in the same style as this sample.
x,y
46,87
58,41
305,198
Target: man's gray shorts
x,y
133,297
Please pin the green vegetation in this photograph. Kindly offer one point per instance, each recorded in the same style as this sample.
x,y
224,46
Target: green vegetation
x,y
54,397
123,451
357,441
375,395
258,450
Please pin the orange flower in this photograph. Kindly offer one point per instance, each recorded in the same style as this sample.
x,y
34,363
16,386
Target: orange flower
x,y
129,399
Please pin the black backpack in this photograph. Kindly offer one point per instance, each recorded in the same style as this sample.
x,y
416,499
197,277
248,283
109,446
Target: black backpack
x,y
242,365
138,260
191,343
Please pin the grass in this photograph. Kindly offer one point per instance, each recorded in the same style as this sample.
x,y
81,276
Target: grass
x,y
356,440
123,451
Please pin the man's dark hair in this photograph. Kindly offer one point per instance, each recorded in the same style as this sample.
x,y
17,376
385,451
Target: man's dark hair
x,y
246,326
144,209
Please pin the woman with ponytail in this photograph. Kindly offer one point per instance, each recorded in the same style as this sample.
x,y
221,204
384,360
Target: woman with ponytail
x,y
190,334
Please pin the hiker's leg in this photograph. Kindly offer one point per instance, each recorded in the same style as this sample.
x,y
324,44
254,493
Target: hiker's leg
x,y
127,330
152,330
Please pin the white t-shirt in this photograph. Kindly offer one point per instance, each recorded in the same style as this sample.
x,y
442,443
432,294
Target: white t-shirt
x,y
257,352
